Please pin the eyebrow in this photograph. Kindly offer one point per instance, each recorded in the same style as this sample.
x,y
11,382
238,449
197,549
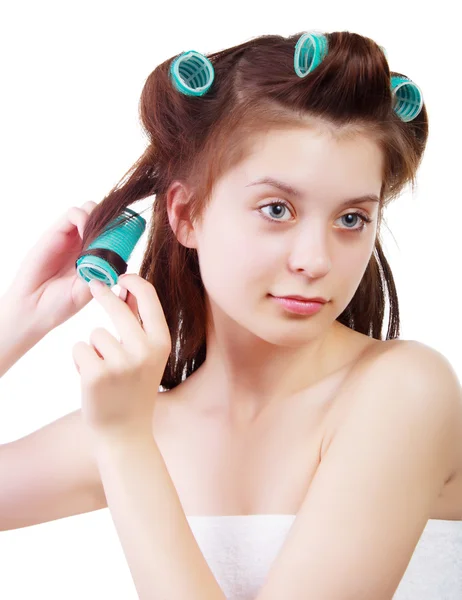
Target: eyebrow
x,y
288,189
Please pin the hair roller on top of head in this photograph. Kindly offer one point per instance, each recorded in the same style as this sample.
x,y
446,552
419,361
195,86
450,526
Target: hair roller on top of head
x,y
192,73
311,49
408,98
106,257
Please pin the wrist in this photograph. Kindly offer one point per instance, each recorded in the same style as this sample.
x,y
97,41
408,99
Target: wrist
x,y
17,334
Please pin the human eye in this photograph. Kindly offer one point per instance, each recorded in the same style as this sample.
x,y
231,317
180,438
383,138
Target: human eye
x,y
278,203
365,219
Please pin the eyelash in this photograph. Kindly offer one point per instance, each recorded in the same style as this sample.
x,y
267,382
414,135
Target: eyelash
x,y
362,216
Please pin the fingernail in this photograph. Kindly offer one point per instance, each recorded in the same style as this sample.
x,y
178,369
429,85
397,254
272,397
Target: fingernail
x,y
123,294
95,285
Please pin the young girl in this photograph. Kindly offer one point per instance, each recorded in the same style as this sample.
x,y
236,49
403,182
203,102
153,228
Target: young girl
x,y
310,457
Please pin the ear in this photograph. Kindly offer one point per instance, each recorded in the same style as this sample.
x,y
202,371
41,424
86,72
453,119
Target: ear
x,y
178,197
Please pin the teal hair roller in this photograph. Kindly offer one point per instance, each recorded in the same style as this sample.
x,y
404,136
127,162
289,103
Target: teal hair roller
x,y
408,98
106,257
192,73
310,51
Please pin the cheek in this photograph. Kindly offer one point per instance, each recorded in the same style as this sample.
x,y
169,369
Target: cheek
x,y
350,269
223,261
232,262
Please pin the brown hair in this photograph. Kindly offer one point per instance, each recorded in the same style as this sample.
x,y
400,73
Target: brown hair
x,y
197,139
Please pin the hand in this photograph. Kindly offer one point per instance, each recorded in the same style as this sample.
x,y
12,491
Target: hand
x,y
47,290
120,379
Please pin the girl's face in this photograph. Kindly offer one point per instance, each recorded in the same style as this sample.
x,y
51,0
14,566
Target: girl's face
x,y
256,239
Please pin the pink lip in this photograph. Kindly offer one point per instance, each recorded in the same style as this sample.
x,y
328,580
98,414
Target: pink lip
x,y
301,307
303,299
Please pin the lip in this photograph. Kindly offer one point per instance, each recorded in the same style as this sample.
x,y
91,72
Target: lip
x,y
303,299
298,306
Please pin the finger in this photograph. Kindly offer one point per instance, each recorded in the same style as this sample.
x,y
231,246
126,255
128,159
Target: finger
x,y
131,302
148,306
86,360
107,347
128,327
123,294
74,218
89,206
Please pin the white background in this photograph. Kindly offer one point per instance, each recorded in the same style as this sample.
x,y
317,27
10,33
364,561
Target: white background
x,y
72,75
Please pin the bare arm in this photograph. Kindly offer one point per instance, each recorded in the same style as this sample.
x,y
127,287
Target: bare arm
x,y
17,336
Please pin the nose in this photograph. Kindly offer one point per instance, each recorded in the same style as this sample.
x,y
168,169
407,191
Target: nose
x,y
310,253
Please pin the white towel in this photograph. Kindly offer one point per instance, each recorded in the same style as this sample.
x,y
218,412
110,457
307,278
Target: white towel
x,y
241,548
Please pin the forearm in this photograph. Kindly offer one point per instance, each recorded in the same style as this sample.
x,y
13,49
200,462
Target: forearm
x,y
16,337
164,558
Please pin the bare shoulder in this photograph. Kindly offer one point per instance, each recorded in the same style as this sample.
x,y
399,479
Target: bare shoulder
x,y
422,364
408,365
421,369
409,374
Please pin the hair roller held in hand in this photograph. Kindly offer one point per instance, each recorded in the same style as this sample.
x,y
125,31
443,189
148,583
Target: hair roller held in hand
x,y
107,256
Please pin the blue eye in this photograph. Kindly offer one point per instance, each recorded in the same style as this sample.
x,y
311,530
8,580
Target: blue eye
x,y
364,218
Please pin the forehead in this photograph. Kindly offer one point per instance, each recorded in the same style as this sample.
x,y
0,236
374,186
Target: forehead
x,y
316,160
